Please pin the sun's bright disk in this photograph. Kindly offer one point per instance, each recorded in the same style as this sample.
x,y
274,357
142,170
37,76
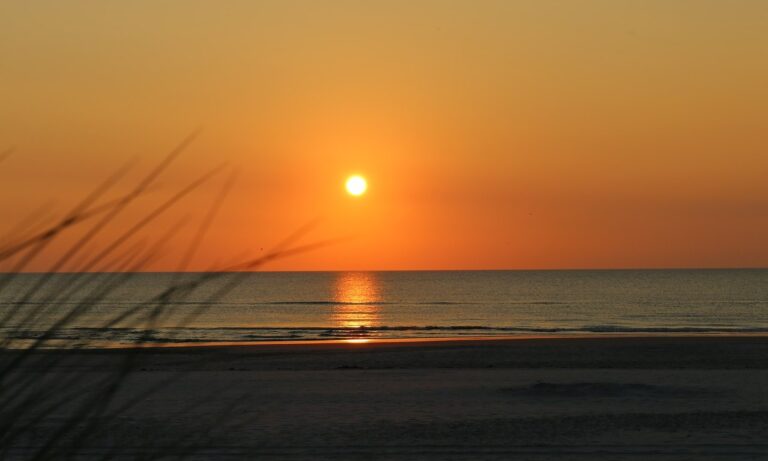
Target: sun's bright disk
x,y
356,185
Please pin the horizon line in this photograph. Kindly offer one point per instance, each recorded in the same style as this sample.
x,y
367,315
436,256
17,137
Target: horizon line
x,y
574,269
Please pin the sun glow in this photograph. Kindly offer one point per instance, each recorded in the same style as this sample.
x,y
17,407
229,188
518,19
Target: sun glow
x,y
356,185
357,295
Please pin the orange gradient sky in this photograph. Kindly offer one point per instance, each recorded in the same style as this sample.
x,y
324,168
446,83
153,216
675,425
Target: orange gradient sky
x,y
493,134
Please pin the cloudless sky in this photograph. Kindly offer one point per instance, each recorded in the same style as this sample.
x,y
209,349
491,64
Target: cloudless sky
x,y
493,134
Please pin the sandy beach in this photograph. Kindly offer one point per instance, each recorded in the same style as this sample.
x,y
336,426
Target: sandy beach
x,y
536,398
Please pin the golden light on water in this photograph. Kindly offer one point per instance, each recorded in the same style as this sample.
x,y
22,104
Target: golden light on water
x,y
357,294
356,185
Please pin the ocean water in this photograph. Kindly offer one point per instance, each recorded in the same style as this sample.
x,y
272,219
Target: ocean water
x,y
88,310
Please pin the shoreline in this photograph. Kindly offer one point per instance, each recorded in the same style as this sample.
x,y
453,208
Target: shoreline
x,y
584,352
462,339
405,342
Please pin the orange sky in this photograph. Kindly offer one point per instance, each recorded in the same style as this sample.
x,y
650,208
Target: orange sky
x,y
494,134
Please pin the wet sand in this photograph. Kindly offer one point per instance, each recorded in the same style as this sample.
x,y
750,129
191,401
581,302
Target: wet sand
x,y
615,397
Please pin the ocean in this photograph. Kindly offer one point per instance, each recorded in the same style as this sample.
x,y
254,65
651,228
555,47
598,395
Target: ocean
x,y
97,310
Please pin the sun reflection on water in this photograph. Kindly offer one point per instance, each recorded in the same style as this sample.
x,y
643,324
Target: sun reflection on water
x,y
356,294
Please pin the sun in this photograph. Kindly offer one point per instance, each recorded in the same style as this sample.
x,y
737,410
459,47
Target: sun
x,y
356,185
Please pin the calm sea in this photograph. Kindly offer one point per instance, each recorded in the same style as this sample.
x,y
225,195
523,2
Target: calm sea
x,y
98,309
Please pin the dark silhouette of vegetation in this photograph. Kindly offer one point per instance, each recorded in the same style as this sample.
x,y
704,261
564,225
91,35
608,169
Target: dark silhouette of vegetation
x,y
32,403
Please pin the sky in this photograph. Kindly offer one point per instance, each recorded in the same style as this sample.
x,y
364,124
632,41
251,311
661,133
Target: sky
x,y
530,134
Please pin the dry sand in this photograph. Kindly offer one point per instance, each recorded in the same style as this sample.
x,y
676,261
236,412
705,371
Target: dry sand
x,y
556,398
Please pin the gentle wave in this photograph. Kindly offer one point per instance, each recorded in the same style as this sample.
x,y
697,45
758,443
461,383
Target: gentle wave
x,y
93,336
107,303
116,303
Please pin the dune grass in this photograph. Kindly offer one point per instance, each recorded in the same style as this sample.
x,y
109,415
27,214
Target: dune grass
x,y
30,402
